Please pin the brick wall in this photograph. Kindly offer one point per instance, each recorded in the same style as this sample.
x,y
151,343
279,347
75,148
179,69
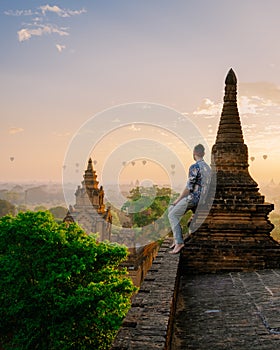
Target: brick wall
x,y
149,321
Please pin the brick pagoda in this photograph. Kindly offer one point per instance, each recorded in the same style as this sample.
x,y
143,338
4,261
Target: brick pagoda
x,y
232,231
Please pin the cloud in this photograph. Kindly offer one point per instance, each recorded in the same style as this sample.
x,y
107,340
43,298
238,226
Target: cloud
x,y
247,105
60,12
18,13
162,133
272,130
13,131
39,23
60,48
39,30
209,108
266,92
134,128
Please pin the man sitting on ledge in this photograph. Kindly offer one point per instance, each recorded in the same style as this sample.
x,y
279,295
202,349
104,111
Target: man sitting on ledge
x,y
197,183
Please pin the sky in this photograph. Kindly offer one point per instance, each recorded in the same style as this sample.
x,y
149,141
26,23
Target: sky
x,y
64,62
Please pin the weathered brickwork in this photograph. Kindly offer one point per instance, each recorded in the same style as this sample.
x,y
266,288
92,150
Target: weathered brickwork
x,y
140,261
148,322
236,311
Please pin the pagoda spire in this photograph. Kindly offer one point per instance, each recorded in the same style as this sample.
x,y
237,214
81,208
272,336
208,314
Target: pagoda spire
x,y
229,153
230,128
90,167
90,178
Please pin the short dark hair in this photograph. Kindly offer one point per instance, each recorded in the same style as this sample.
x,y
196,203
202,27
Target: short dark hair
x,y
199,150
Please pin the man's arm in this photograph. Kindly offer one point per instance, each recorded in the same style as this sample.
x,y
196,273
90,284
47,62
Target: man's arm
x,y
182,195
190,183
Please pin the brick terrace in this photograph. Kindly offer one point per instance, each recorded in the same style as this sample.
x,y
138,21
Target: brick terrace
x,y
239,310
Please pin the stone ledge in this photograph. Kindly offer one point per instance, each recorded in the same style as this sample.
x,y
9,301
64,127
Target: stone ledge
x,y
149,320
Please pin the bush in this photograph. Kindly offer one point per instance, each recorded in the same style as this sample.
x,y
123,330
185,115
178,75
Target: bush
x,y
59,288
58,212
6,208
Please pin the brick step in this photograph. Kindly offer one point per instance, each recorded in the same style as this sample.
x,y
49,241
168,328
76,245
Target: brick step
x,y
211,257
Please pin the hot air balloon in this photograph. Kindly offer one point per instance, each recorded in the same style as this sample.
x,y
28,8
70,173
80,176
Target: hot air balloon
x,y
124,163
252,159
144,162
12,159
95,162
264,156
172,166
133,163
77,164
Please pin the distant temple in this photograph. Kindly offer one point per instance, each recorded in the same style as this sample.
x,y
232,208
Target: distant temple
x,y
89,211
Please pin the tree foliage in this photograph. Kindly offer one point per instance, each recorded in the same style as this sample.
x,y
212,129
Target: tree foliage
x,y
6,208
59,288
58,212
146,205
149,205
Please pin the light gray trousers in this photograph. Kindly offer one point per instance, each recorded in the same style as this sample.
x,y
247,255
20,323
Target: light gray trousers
x,y
175,214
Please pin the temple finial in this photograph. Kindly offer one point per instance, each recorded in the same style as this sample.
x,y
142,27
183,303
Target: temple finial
x,y
231,78
89,167
230,128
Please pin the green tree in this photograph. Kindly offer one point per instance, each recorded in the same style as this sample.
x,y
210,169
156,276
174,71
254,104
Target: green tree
x,y
149,205
6,208
40,208
21,207
58,212
59,288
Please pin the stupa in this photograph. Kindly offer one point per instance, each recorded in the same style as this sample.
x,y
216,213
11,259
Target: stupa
x,y
89,210
231,231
